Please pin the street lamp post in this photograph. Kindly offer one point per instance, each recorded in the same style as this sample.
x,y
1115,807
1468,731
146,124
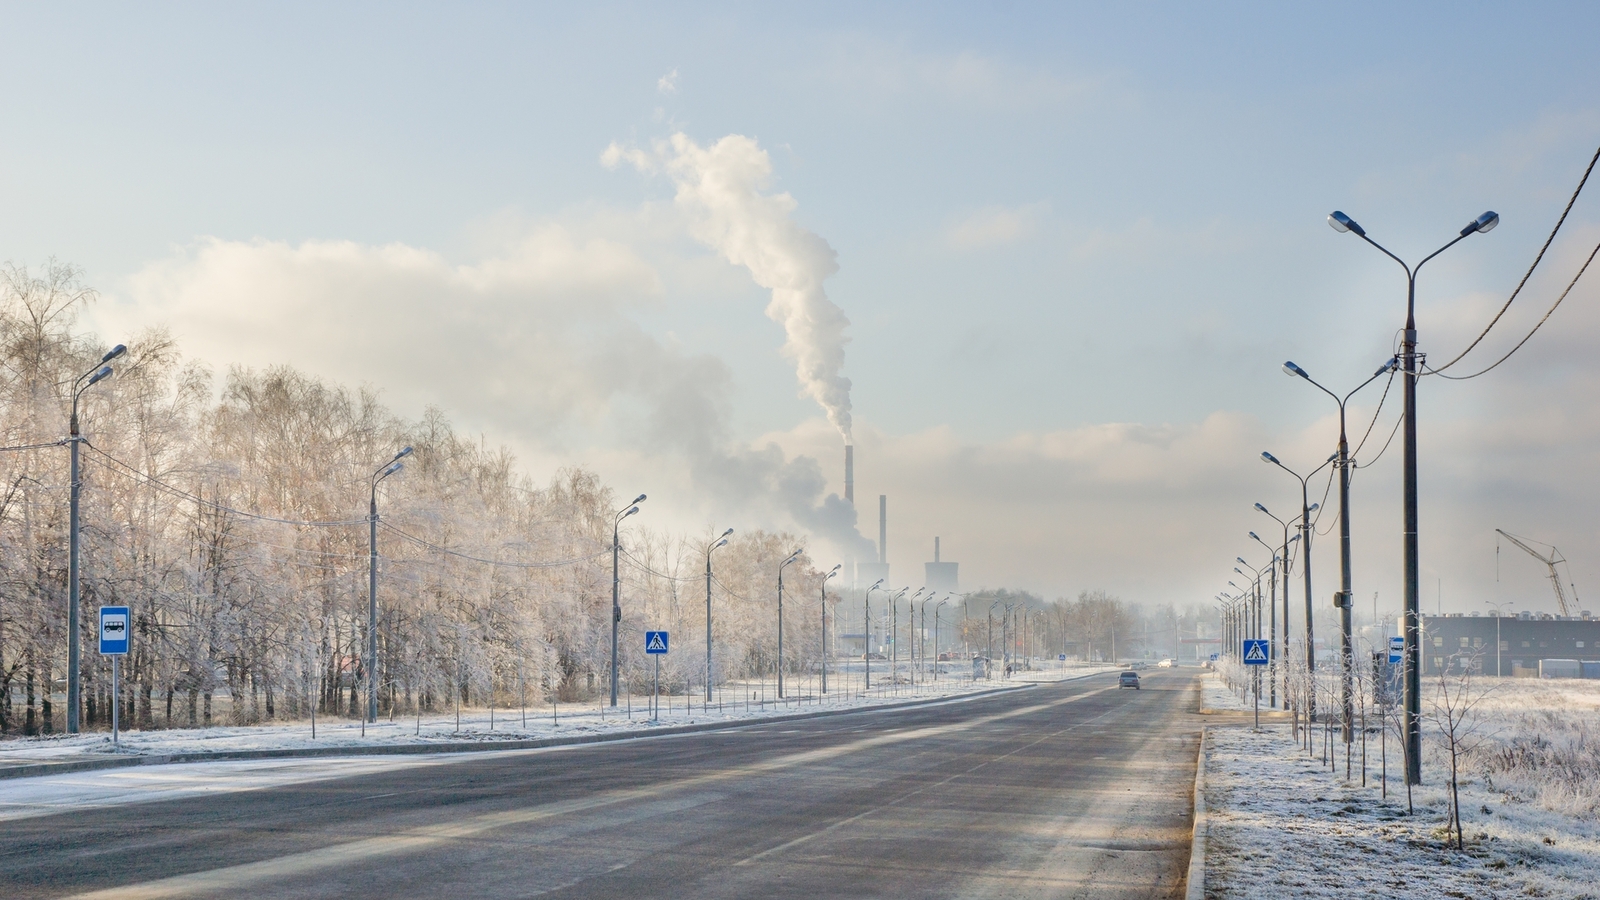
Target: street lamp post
x,y
1498,671
1346,647
792,557
74,678
1272,623
823,658
866,637
616,589
1408,357
1284,556
988,640
1306,506
378,475
719,542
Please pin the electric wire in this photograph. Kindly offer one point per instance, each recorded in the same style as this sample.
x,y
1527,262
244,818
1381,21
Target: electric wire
x,y
436,548
1526,275
1540,324
128,471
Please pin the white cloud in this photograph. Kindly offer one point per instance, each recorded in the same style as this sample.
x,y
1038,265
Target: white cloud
x,y
668,83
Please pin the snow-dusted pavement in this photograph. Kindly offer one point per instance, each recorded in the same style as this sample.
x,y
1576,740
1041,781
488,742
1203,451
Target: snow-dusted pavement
x,y
1077,789
1283,825
739,702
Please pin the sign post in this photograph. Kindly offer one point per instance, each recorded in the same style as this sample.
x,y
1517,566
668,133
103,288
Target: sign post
x,y
1256,654
655,644
114,643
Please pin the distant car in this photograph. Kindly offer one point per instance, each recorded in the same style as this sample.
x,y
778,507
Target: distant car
x,y
1128,679
1166,664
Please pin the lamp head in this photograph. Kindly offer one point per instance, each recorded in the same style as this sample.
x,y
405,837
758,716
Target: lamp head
x,y
1313,507
120,349
631,511
721,543
1293,538
102,375
392,468
1482,224
1342,223
877,583
1393,363
728,532
638,499
1289,368
1241,561
1268,457
1262,508
403,453
1254,536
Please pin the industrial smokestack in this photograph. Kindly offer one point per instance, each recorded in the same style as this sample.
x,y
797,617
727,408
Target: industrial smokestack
x,y
850,474
936,548
883,528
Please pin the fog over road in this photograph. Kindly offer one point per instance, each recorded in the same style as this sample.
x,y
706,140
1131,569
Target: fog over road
x,y
1069,790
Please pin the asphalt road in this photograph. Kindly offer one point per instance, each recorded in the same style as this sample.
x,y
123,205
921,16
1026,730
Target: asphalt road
x,y
1070,790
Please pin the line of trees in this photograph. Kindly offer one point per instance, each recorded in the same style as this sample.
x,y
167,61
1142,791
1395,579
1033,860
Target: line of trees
x,y
231,518
1094,625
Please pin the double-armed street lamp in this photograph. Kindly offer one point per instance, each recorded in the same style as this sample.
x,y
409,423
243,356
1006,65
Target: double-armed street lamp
x,y
792,557
866,638
936,637
1284,557
87,380
616,587
721,541
823,588
1272,621
1409,359
1306,508
1346,648
378,475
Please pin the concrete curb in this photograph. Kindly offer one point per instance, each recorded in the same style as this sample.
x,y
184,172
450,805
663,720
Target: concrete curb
x,y
88,765
1195,886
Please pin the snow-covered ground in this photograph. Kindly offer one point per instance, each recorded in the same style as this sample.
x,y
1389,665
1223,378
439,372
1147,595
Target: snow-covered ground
x,y
1285,825
738,701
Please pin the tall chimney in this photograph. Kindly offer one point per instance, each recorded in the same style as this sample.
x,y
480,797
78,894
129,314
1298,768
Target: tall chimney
x,y
850,474
883,528
935,548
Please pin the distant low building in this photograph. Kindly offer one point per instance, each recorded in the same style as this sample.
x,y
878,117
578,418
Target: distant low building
x,y
1508,645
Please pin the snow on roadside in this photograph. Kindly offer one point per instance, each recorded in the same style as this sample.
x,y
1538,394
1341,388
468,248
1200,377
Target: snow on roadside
x,y
1282,825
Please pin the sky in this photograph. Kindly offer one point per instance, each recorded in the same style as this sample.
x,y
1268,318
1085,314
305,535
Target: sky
x,y
1042,262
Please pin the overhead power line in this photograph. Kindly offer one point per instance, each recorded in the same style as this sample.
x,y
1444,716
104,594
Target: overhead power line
x,y
1525,276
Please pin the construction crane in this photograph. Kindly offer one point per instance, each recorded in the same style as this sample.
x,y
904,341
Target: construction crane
x,y
1550,561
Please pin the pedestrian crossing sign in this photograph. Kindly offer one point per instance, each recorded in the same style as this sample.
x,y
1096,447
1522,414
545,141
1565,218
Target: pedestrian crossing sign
x,y
1255,653
655,642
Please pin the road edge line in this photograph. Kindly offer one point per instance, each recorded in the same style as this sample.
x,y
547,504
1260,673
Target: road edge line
x,y
35,770
1195,882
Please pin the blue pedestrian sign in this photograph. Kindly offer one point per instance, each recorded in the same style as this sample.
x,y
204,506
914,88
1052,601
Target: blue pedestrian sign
x,y
655,642
113,631
1256,653
1397,649
1061,657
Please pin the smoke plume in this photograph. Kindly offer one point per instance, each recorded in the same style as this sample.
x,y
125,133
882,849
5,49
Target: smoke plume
x,y
720,194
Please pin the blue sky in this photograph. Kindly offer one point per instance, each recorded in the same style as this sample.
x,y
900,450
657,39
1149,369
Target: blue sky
x,y
1055,226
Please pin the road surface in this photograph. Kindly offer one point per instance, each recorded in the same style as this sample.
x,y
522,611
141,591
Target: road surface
x,y
1076,789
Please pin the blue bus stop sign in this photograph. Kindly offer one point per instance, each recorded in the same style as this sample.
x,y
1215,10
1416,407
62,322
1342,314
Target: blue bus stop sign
x,y
113,631
1397,649
655,642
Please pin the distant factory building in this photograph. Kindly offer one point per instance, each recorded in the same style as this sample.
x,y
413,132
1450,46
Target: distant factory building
x,y
940,576
1520,645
